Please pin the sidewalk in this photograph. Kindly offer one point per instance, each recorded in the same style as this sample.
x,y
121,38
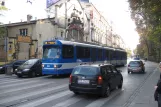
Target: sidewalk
x,y
145,97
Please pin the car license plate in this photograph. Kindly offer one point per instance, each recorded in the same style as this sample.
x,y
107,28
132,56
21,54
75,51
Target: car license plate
x,y
18,72
83,81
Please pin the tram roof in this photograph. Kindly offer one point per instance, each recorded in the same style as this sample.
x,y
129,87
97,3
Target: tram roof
x,y
87,44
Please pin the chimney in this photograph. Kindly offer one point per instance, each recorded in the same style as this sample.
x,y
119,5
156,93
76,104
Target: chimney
x,y
3,3
29,17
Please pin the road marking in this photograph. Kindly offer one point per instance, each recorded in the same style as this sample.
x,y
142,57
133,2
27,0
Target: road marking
x,y
100,102
22,96
17,84
24,88
68,102
47,99
21,80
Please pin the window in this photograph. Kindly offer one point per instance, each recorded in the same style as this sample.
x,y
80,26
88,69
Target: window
x,y
114,54
107,54
104,71
50,52
85,71
61,34
24,32
111,55
68,51
114,69
100,54
93,54
108,69
83,52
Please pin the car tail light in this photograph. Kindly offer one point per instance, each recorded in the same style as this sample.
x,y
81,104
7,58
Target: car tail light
x,y
70,79
100,80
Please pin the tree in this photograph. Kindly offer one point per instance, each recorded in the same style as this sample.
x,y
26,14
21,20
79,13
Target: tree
x,y
129,52
2,8
147,17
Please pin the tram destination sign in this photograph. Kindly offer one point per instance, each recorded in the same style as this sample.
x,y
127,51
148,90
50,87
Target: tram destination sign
x,y
49,43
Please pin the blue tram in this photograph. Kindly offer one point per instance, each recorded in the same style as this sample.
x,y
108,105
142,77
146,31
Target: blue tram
x,y
60,56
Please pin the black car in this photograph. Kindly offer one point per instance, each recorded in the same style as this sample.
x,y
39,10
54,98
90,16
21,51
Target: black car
x,y
30,68
95,79
13,65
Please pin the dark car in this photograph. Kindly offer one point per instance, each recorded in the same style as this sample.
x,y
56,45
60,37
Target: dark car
x,y
136,66
30,68
13,65
136,58
97,79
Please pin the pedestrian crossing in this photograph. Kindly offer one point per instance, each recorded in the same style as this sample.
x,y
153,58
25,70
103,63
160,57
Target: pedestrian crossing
x,y
44,92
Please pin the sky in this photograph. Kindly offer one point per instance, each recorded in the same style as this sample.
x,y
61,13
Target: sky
x,y
116,11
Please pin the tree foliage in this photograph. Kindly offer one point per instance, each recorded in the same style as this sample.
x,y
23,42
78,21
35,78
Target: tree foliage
x,y
147,17
2,29
129,52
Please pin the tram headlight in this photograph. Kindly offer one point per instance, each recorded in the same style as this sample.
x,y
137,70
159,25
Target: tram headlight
x,y
42,65
57,56
55,66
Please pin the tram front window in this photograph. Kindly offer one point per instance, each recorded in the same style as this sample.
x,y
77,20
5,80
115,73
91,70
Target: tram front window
x,y
51,52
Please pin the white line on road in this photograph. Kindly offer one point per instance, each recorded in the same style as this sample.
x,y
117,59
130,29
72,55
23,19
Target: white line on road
x,y
68,102
102,101
47,99
18,83
20,80
36,92
25,87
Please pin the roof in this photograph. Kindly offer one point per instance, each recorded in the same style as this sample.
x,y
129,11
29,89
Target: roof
x,y
135,60
89,44
23,23
19,24
94,64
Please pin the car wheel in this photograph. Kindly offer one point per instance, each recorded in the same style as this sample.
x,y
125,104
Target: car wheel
x,y
128,72
106,91
76,93
120,84
33,74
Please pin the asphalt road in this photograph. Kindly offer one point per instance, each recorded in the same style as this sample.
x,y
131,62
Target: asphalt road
x,y
50,91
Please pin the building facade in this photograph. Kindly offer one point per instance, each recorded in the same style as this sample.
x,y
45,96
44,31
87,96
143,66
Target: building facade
x,y
100,29
67,19
25,39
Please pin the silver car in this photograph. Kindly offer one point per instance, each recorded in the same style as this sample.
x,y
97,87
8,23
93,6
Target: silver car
x,y
136,66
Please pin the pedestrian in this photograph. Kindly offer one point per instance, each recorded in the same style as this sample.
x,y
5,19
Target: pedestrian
x,y
157,94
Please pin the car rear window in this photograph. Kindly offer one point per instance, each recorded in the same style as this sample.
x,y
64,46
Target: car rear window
x,y
90,71
136,63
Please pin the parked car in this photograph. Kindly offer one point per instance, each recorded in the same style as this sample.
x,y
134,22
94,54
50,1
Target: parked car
x,y
136,66
13,64
97,79
30,68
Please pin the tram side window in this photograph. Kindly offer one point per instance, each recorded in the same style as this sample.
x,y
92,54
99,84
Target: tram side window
x,y
107,53
68,51
83,52
100,54
93,54
114,54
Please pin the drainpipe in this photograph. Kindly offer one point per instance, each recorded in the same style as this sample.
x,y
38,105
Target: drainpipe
x,y
6,43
